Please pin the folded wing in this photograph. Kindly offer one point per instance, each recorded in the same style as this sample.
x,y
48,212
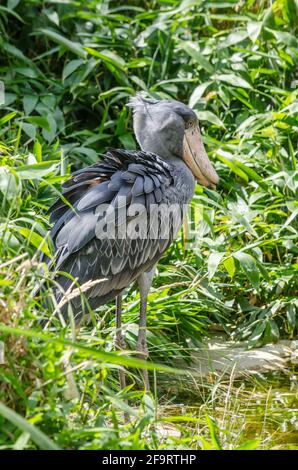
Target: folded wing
x,y
98,199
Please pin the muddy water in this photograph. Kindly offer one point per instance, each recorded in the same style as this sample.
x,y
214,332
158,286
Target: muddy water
x,y
261,407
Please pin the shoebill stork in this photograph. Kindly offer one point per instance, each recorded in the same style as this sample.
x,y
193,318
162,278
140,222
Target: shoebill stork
x,y
160,175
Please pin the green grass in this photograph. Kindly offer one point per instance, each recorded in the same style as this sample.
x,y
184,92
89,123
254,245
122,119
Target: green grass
x,y
68,71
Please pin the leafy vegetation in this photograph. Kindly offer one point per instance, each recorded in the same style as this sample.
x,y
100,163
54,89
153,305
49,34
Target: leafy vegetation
x,y
69,69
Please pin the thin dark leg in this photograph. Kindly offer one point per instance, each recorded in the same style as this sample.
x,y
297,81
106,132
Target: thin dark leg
x,y
119,337
142,348
144,281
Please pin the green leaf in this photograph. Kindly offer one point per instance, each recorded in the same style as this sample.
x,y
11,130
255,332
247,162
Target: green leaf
x,y
107,56
14,51
127,141
37,150
92,154
73,46
254,29
274,330
8,183
258,332
252,444
39,121
50,133
233,38
37,436
5,282
210,117
26,71
198,93
213,433
70,67
193,51
229,264
38,170
102,355
286,38
52,15
223,156
232,79
35,239
7,117
249,266
291,316
213,262
253,175
29,103
11,4
29,129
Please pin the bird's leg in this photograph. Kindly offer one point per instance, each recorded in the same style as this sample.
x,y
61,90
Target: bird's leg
x,y
144,282
142,348
119,337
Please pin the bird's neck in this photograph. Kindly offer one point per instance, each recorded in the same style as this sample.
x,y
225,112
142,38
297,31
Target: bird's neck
x,y
165,145
158,147
184,180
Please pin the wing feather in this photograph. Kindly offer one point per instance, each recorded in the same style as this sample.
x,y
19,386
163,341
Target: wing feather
x,y
132,177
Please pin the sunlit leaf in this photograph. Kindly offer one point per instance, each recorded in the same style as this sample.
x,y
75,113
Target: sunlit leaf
x,y
249,266
38,170
213,262
254,29
257,332
232,79
210,117
198,93
230,266
35,239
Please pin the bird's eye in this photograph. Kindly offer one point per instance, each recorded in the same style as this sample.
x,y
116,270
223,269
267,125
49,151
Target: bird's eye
x,y
190,123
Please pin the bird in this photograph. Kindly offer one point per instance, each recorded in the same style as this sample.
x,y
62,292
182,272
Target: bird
x,y
116,218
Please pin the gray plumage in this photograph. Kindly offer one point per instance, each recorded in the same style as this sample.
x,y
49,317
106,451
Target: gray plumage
x,y
143,178
159,174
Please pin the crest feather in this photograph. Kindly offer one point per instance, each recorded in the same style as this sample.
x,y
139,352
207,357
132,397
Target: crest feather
x,y
139,101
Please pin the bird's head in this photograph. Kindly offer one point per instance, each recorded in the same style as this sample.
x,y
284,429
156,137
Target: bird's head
x,y
170,129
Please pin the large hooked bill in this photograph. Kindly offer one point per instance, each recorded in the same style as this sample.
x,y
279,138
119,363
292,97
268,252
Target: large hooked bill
x,y
196,158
